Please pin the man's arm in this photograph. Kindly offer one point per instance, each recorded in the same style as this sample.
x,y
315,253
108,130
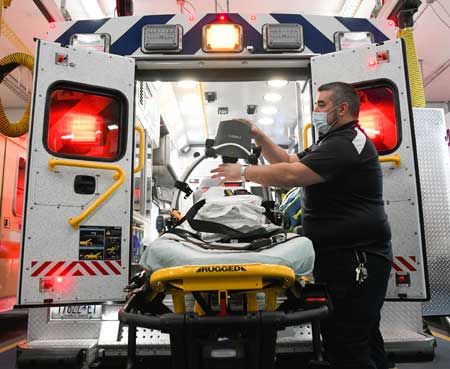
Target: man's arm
x,y
279,175
270,150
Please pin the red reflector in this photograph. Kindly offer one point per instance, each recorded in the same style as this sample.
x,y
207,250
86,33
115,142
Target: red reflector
x,y
316,299
372,62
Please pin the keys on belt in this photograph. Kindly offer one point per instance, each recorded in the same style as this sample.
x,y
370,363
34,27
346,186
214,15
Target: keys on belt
x,y
361,270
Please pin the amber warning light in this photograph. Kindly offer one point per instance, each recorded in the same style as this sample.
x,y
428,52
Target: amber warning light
x,y
222,37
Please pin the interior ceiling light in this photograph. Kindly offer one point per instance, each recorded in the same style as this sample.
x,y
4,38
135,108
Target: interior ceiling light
x,y
269,110
187,84
265,121
277,83
272,97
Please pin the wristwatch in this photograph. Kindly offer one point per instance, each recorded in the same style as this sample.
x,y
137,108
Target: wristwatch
x,y
243,171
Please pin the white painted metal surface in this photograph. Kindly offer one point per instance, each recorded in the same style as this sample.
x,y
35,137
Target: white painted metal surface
x,y
400,184
51,200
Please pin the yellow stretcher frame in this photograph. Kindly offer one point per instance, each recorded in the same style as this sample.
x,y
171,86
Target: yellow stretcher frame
x,y
246,279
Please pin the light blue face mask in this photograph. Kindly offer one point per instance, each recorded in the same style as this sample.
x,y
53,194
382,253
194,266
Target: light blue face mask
x,y
319,120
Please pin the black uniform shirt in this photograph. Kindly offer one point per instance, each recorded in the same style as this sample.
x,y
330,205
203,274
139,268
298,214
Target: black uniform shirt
x,y
347,210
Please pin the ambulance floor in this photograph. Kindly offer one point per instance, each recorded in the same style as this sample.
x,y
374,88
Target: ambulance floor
x,y
441,360
13,332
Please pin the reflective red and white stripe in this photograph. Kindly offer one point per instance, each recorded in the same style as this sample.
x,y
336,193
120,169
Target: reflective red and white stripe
x,y
75,268
405,264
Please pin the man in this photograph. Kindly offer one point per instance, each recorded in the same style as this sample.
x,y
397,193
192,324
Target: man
x,y
344,217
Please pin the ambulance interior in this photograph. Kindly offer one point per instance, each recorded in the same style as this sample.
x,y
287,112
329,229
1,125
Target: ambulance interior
x,y
191,111
179,110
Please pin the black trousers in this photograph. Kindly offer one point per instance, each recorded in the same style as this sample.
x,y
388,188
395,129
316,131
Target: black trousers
x,y
351,335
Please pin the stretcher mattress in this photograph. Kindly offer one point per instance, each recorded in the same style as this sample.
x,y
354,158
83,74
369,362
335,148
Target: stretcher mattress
x,y
171,250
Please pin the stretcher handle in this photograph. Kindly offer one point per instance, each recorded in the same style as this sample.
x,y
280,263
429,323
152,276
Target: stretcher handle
x,y
164,322
305,135
391,158
119,176
141,149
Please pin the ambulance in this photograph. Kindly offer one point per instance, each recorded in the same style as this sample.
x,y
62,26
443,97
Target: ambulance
x,y
117,105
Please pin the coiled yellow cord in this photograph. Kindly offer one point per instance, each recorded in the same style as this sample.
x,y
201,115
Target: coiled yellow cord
x,y
415,76
16,129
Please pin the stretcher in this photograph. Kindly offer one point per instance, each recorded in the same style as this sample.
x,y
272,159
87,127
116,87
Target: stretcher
x,y
226,327
233,279
228,299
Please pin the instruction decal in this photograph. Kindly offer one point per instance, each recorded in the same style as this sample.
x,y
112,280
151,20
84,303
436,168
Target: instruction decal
x,y
100,243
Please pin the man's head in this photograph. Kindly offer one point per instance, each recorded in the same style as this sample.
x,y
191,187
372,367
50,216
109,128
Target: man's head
x,y
340,101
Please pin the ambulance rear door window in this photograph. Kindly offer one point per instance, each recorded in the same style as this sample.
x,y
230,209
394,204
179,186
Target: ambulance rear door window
x,y
379,115
85,123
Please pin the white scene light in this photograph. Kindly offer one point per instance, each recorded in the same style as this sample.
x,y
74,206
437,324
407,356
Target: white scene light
x,y
277,83
269,110
272,97
265,121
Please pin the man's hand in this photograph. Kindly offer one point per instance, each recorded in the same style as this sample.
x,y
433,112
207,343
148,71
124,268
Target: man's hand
x,y
227,172
255,131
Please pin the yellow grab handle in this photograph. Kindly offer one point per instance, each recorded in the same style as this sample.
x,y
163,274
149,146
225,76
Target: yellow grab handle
x,y
391,158
119,177
141,149
305,135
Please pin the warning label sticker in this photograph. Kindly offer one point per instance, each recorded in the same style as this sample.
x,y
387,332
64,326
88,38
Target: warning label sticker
x,y
100,243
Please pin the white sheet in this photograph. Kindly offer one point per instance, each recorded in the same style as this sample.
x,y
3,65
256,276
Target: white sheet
x,y
170,251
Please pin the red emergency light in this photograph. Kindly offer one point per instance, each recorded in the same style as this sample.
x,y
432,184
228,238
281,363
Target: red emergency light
x,y
83,124
377,117
52,25
372,62
253,17
83,130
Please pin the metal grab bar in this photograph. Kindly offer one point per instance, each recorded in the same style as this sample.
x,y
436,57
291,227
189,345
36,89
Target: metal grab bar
x,y
119,177
391,158
305,135
141,149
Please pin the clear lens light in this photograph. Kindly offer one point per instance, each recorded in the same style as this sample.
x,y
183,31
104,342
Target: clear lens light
x,y
277,83
223,37
266,121
272,97
269,110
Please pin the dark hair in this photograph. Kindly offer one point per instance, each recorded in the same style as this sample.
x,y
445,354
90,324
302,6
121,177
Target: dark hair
x,y
343,92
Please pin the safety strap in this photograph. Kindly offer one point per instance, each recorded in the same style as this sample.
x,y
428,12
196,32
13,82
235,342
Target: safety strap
x,y
212,227
254,245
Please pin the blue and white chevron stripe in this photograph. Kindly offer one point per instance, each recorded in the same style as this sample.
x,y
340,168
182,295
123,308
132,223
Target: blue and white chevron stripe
x,y
318,31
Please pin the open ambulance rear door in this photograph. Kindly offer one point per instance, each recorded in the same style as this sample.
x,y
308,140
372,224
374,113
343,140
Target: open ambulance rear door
x,y
379,73
78,207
